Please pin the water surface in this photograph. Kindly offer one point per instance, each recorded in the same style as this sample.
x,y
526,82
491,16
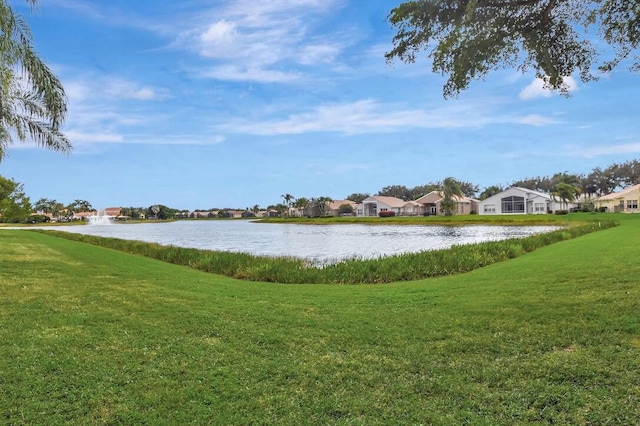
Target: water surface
x,y
320,244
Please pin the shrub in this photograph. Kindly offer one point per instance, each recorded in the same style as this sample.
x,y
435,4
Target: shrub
x,y
345,209
387,214
38,218
561,212
603,209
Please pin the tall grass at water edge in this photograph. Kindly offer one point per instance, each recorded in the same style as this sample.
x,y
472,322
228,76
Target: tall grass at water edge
x,y
289,270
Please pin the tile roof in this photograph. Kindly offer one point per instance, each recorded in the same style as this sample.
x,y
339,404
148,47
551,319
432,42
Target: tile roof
x,y
390,201
619,194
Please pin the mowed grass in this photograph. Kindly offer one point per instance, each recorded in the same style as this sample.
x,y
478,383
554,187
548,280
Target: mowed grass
x,y
96,336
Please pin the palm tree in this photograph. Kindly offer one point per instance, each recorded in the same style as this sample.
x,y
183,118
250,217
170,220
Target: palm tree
x,y
80,206
566,192
490,192
319,205
301,204
43,205
56,208
288,199
33,103
450,188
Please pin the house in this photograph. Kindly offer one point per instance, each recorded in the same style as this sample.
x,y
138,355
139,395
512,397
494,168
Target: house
x,y
373,205
82,215
411,208
231,214
625,201
516,200
334,206
111,211
431,204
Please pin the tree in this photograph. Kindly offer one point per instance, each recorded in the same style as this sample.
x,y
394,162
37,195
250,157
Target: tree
x,y
357,197
56,208
288,199
345,209
398,191
566,192
319,205
48,206
162,212
450,188
135,213
541,184
490,191
468,189
281,209
33,102
79,206
301,204
420,190
43,205
466,39
14,204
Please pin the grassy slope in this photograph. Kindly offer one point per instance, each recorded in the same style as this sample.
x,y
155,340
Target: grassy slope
x,y
93,335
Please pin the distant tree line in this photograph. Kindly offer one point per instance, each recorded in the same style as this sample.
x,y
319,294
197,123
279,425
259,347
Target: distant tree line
x,y
596,183
16,206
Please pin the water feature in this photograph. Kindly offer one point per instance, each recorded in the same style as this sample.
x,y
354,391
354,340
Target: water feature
x,y
100,218
320,244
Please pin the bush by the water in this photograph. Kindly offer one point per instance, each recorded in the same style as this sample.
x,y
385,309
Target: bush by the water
x,y
408,266
387,213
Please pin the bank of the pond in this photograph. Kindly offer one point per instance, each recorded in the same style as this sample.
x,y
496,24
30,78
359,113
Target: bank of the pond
x,y
287,270
96,336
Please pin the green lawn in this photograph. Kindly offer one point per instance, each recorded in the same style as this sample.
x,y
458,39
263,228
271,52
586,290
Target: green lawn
x,y
91,336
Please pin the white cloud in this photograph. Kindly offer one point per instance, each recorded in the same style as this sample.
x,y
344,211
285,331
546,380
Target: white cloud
x,y
537,120
318,53
90,88
219,33
182,139
144,94
536,88
257,39
81,138
234,73
369,116
596,151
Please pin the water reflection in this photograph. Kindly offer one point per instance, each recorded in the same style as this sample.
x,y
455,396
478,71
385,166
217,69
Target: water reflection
x,y
317,243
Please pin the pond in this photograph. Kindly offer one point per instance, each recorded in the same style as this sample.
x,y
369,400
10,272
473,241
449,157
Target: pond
x,y
320,244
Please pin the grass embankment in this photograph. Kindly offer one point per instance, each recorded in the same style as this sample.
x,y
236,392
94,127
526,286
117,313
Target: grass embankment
x,y
91,335
403,267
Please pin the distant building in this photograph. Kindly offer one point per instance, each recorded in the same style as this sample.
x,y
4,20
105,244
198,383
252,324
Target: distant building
x,y
625,201
516,200
431,204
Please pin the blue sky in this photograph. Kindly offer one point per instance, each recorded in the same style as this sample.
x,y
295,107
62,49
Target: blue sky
x,y
200,104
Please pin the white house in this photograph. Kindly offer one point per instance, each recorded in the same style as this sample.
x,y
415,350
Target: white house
x,y
373,205
431,204
516,200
